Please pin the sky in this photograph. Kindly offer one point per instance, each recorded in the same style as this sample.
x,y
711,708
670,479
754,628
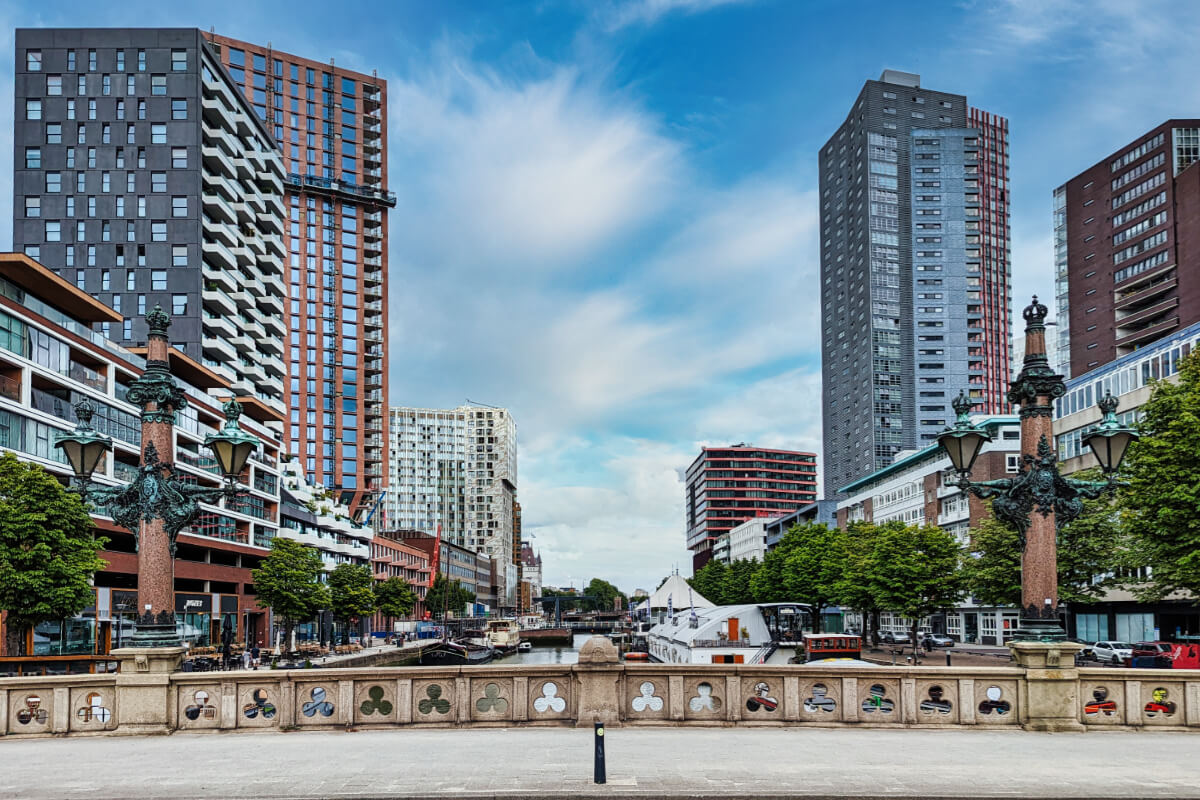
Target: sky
x,y
607,211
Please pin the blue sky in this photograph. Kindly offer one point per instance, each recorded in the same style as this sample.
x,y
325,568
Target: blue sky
x,y
607,210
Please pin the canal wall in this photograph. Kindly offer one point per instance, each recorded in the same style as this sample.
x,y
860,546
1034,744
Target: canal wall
x,y
1043,692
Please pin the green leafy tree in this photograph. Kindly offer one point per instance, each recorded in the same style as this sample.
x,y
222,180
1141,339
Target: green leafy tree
x,y
736,587
814,562
853,588
709,581
351,593
1162,497
48,551
604,594
447,596
395,597
915,571
288,581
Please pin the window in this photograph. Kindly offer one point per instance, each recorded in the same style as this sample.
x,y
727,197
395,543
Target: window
x,y
70,109
158,181
126,326
179,255
53,182
81,134
158,85
141,304
54,85
91,203
70,60
179,206
33,158
120,205
33,60
178,108
120,61
91,60
131,134
141,108
81,85
131,181
33,206
158,133
179,157
141,201
105,182
106,85
179,60
54,231
179,304
54,133
81,181
91,161
131,283
33,109
141,158
158,231
141,60
158,280
130,85
120,109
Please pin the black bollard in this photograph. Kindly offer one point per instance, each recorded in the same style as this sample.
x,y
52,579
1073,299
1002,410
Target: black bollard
x,y
599,774
947,658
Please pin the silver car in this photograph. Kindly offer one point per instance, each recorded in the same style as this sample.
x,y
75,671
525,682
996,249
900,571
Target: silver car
x,y
1112,652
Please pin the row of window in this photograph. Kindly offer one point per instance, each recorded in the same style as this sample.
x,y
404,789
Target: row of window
x,y
34,60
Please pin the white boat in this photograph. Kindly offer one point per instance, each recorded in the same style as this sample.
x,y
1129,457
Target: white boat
x,y
741,634
524,647
504,634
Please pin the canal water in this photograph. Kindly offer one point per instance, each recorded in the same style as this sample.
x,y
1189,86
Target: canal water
x,y
548,654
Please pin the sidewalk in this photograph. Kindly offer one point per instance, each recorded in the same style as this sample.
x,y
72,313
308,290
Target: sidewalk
x,y
642,763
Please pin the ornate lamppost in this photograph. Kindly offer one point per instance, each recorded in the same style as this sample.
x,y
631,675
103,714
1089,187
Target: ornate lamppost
x,y
157,504
1038,500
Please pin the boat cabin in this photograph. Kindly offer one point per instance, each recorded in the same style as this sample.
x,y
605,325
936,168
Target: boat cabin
x,y
820,646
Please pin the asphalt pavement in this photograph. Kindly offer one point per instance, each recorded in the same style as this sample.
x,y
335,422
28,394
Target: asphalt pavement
x,y
697,763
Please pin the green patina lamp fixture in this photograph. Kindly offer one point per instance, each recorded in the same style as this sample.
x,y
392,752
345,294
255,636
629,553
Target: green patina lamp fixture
x,y
83,447
1110,439
232,447
964,441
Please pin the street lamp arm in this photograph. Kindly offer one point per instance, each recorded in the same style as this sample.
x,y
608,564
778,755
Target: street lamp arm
x,y
207,494
1092,490
984,490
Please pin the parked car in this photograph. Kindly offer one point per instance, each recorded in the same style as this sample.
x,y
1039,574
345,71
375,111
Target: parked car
x,y
1112,652
1158,652
1086,652
892,637
938,640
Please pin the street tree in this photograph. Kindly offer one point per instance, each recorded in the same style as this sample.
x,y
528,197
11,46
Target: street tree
x,y
815,560
604,595
351,594
48,550
709,581
736,585
395,597
288,581
1162,494
853,588
915,571
447,596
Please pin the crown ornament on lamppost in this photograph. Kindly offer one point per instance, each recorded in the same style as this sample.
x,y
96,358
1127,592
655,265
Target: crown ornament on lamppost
x,y
158,321
964,441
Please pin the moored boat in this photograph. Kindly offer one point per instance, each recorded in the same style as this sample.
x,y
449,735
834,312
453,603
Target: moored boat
x,y
504,634
524,647
445,654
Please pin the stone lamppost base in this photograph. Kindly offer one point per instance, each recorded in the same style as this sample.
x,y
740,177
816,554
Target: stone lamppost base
x,y
143,688
1053,684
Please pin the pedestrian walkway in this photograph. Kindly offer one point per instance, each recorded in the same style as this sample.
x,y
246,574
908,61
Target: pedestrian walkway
x,y
642,763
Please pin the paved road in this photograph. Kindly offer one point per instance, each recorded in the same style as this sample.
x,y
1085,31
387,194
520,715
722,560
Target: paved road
x,y
643,762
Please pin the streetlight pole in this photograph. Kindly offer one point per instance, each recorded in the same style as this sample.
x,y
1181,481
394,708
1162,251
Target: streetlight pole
x,y
157,504
1039,499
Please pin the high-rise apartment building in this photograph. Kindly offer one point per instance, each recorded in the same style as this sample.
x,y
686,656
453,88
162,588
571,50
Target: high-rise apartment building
x,y
330,124
456,469
915,261
1127,247
725,486
144,177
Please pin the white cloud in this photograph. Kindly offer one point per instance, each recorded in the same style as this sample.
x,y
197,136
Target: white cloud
x,y
647,12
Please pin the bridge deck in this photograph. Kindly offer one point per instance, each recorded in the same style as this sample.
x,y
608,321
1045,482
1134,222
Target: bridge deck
x,y
643,762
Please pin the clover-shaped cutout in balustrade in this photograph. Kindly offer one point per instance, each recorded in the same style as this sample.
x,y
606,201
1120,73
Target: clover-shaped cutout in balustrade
x,y
877,701
200,708
936,703
820,700
549,701
647,701
259,705
1159,704
433,701
318,704
32,713
1100,704
375,703
491,700
995,702
93,709
704,699
762,701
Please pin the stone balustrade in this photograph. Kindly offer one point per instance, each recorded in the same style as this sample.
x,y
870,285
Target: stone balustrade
x,y
146,697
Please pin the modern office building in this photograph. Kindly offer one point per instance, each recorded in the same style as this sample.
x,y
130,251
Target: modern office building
x,y
725,486
313,515
915,262
144,177
455,470
330,124
1127,248
915,489
50,359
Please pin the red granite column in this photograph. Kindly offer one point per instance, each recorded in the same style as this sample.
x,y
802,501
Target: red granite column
x,y
156,566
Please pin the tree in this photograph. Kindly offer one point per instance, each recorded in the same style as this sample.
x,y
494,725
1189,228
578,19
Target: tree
x,y
1089,549
395,597
709,581
48,551
736,587
447,596
915,571
853,588
288,581
351,593
604,594
814,562
1162,494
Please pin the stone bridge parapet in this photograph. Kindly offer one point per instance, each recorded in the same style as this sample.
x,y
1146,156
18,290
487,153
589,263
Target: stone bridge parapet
x,y
1034,695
